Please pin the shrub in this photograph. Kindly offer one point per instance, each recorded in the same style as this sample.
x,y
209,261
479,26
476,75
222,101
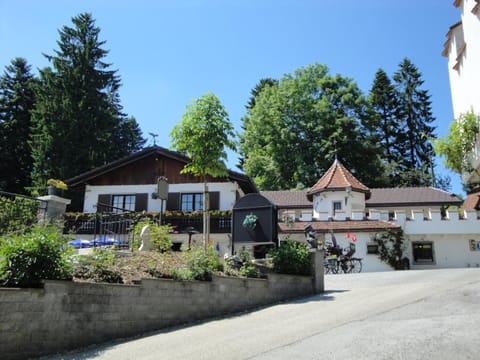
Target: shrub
x,y
249,270
17,215
99,267
202,262
183,274
40,254
291,257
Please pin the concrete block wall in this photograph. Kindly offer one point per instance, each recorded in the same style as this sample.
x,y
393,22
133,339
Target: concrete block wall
x,y
67,315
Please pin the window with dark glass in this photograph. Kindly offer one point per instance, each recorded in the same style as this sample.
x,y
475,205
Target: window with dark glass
x,y
423,252
191,202
337,206
123,202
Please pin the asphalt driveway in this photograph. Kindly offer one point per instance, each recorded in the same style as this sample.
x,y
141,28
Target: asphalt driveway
x,y
423,314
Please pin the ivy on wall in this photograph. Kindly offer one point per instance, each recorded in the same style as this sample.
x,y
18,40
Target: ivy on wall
x,y
391,248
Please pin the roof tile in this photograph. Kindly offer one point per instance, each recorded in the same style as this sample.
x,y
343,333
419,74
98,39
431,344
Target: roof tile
x,y
337,177
472,202
418,196
340,226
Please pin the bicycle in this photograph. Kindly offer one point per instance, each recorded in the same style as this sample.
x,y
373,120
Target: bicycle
x,y
337,261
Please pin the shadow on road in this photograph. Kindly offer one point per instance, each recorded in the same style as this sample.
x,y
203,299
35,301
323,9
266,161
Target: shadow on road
x,y
328,295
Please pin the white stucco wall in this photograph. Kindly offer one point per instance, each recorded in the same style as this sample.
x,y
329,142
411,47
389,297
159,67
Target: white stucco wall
x,y
227,191
450,250
464,83
323,202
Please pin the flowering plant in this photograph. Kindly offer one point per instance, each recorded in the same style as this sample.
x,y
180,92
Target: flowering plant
x,y
59,184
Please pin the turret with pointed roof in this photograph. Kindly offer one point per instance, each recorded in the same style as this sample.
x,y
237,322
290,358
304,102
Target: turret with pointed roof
x,y
337,178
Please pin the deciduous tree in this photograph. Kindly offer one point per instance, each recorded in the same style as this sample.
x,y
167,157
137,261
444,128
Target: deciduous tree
x,y
459,142
203,134
296,128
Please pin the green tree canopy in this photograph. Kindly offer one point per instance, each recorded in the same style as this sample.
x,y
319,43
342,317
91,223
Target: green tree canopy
x,y
459,143
295,129
16,101
78,121
203,134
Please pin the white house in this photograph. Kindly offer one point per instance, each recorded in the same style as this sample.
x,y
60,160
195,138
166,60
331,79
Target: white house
x,y
462,49
132,182
437,233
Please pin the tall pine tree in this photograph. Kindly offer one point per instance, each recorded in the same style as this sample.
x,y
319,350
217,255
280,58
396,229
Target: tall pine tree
x,y
78,121
384,125
415,114
16,101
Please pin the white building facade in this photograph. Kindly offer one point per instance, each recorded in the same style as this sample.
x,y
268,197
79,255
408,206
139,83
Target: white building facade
x,y
462,49
345,211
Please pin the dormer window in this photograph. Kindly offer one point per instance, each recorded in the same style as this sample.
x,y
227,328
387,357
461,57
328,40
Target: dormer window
x,y
337,206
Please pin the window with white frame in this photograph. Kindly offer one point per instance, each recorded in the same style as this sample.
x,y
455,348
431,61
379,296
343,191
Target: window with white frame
x,y
191,202
123,202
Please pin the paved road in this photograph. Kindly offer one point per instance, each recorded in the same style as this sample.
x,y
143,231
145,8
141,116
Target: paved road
x,y
431,314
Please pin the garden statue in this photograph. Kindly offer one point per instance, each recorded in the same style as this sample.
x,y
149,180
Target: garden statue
x,y
311,236
147,243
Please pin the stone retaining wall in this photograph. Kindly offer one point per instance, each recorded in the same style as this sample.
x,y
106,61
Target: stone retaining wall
x,y
67,315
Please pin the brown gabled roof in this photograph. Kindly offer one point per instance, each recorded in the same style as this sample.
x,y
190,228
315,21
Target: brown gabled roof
x,y
413,196
381,197
472,202
243,180
340,226
337,178
288,198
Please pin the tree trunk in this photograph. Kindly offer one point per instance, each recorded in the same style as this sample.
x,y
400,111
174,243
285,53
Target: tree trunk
x,y
206,205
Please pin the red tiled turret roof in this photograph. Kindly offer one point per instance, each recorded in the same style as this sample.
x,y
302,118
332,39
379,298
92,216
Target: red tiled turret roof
x,y
337,178
472,202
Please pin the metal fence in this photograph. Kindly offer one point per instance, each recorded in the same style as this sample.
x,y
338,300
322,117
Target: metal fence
x,y
121,224
112,227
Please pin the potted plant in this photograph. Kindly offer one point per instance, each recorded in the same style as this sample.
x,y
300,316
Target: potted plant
x,y
56,187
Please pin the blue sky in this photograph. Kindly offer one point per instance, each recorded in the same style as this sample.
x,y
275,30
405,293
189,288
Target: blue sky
x,y
170,52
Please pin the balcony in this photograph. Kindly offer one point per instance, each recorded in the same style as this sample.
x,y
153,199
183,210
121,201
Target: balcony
x,y
95,224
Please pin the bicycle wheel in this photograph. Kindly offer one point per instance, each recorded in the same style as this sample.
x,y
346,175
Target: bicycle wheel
x,y
344,267
355,265
326,268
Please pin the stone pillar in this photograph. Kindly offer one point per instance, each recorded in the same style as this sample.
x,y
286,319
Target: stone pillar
x,y
55,208
316,261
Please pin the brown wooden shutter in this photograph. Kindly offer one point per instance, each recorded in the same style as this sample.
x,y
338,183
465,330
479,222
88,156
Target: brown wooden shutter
x,y
141,202
104,203
173,201
214,200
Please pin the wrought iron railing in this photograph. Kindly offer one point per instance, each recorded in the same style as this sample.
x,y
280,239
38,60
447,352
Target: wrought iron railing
x,y
104,223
